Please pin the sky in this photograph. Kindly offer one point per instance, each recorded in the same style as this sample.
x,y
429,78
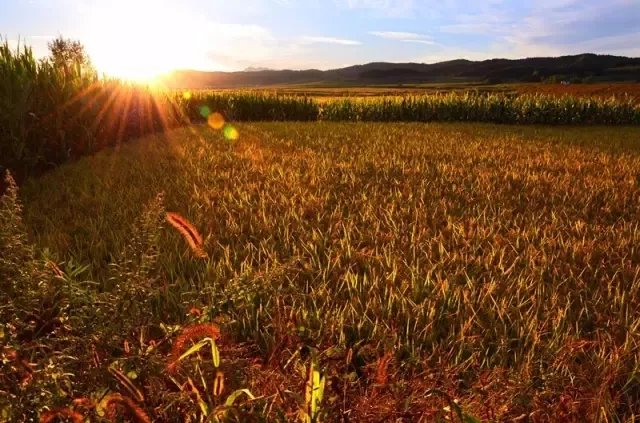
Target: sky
x,y
158,35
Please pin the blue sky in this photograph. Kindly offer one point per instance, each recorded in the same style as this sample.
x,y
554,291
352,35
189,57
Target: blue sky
x,y
296,34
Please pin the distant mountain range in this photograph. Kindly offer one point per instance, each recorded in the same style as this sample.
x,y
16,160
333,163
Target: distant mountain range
x,y
579,68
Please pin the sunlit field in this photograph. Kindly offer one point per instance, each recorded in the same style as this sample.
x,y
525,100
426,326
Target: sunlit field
x,y
411,265
442,252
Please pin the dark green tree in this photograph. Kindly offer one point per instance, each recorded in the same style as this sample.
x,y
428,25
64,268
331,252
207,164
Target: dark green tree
x,y
66,53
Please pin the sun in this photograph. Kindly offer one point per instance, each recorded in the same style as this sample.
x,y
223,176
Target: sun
x,y
132,40
130,66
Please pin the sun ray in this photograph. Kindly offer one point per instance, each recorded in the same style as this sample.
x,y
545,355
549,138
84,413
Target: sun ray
x,y
123,116
104,115
146,120
105,107
95,86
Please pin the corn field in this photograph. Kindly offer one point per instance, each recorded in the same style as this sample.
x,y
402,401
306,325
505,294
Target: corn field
x,y
451,107
49,115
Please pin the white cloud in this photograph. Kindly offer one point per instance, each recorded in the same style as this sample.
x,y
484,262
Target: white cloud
x,y
427,42
393,35
406,37
329,40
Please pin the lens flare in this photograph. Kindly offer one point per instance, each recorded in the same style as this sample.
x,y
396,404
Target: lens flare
x,y
216,120
186,95
205,111
230,133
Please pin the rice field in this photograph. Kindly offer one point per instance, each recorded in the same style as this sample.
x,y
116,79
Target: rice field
x,y
406,271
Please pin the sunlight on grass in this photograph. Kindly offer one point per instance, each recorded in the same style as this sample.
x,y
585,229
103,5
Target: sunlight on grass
x,y
457,256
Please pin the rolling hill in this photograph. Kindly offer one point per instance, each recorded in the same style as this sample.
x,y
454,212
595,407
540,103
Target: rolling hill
x,y
578,68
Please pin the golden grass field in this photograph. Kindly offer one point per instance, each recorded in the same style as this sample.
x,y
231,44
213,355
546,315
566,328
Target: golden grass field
x,y
407,264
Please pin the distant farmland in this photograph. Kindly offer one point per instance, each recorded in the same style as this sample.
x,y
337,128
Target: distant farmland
x,y
583,90
618,90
